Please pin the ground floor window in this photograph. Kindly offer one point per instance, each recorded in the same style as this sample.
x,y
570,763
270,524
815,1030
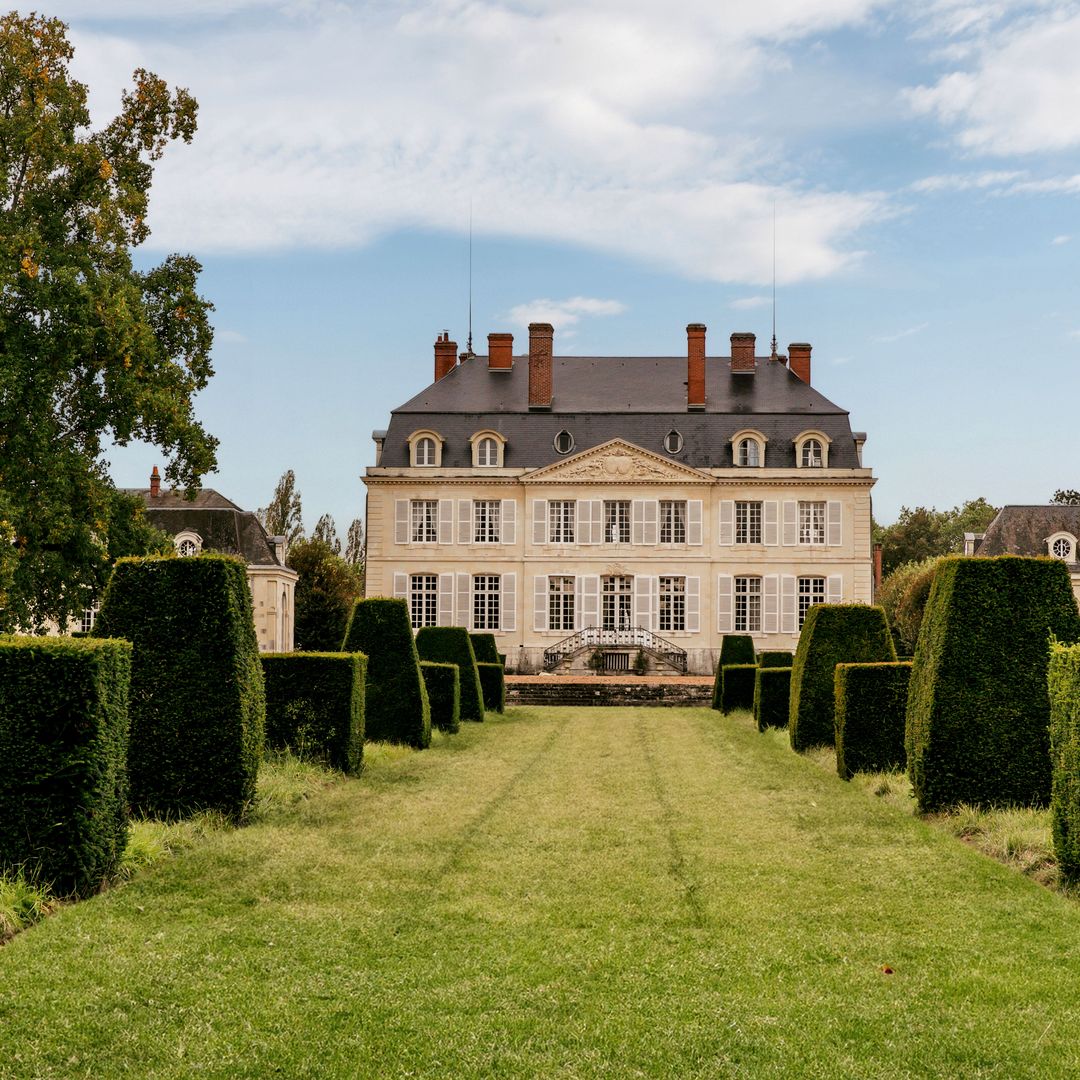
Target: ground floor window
x,y
748,605
88,618
673,603
561,603
423,599
811,591
617,594
486,602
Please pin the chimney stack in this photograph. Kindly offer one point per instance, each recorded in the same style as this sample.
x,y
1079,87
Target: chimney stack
x,y
540,338
695,366
500,352
742,352
799,360
155,484
877,569
445,355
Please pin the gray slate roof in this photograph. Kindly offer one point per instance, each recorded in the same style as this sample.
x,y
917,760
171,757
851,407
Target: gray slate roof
x,y
636,398
1023,530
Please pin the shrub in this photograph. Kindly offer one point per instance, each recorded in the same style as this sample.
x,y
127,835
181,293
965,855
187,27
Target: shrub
x,y
832,634
775,658
484,648
903,596
63,751
595,663
979,709
734,649
198,707
396,707
738,687
451,645
871,703
444,694
493,685
772,692
315,706
1064,684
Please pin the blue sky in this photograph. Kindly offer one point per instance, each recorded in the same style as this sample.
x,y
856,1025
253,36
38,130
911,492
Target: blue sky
x,y
622,159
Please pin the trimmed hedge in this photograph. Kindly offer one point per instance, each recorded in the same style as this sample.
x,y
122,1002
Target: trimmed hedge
x,y
493,685
315,706
978,713
775,658
1063,679
451,645
396,706
832,634
772,696
871,703
63,760
734,649
485,649
444,694
198,707
738,687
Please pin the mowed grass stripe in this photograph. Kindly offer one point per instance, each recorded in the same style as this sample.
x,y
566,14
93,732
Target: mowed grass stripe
x,y
578,893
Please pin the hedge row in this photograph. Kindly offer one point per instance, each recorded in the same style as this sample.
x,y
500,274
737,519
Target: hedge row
x,y
485,649
772,696
451,645
443,684
775,658
63,753
737,687
871,703
315,706
1063,679
734,649
493,685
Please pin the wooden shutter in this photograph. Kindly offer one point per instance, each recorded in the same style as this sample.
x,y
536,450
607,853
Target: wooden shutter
x,y
770,513
725,603
693,522
770,621
693,605
727,522
401,586
539,521
791,523
637,521
446,521
540,602
401,521
834,532
445,612
645,589
789,612
834,591
508,602
652,518
464,598
582,523
578,586
590,600
464,521
596,513
508,522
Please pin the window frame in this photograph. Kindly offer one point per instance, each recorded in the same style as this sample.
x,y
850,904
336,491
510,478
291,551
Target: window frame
x,y
416,439
809,594
486,601
744,438
487,521
671,607
568,523
620,520
562,602
184,537
807,509
479,440
674,524
673,436
429,523
555,442
746,528
1062,537
805,437
426,598
748,619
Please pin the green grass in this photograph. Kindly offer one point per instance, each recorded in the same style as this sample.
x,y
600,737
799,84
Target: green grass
x,y
570,893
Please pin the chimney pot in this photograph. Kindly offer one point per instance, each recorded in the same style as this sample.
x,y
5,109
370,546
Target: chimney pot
x,y
695,366
500,352
742,352
799,360
445,355
540,344
155,483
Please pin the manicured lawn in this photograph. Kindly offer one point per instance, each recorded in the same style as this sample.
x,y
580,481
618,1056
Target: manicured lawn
x,y
563,893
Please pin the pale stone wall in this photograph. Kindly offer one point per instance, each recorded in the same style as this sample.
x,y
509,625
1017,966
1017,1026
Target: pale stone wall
x,y
273,590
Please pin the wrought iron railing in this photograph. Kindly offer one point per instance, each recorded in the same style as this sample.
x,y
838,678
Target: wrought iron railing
x,y
596,637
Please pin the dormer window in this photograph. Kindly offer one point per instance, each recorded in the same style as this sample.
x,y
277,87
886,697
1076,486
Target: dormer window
x,y
425,449
748,449
811,458
487,447
564,442
673,442
1062,545
188,544
812,450
749,452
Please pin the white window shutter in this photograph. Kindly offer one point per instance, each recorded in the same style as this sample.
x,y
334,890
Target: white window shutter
x,y
596,512
446,521
725,609
401,521
727,522
464,521
508,522
693,522
637,521
643,601
771,515
540,602
464,598
770,620
590,600
582,523
834,592
401,586
508,602
578,624
539,521
835,532
652,517
693,605
788,608
791,524
445,611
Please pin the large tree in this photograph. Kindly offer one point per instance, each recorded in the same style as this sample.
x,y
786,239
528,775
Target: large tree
x,y
1066,497
91,349
924,532
326,589
284,516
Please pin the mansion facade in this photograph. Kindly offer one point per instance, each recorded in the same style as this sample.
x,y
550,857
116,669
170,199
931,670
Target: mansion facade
x,y
628,503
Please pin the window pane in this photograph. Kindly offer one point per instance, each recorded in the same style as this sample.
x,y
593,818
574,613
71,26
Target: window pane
x,y
486,602
811,522
423,599
561,603
561,521
673,603
748,604
748,523
617,522
811,591
486,521
672,521
425,516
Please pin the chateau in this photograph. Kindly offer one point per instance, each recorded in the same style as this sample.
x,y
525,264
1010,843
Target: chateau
x,y
632,503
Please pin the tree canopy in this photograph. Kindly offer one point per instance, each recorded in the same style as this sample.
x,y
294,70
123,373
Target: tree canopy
x,y
923,532
284,516
326,589
91,349
1066,497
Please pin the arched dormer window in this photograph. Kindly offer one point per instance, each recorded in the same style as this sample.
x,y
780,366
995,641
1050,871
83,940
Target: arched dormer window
x,y
487,449
563,442
425,449
748,449
812,450
188,543
1062,545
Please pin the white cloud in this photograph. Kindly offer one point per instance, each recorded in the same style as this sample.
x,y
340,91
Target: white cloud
x,y
1055,185
229,337
744,303
1059,240
563,314
965,181
888,339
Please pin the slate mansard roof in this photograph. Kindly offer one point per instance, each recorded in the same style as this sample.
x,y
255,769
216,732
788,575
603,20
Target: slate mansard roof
x,y
1024,530
636,398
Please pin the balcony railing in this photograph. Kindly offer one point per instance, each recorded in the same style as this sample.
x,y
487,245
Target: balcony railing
x,y
596,637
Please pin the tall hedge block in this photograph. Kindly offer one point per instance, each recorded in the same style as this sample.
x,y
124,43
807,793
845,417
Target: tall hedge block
x,y
871,704
451,645
397,708
738,687
315,706
485,648
775,658
772,697
443,684
63,754
1064,682
832,634
978,713
734,649
198,707
493,686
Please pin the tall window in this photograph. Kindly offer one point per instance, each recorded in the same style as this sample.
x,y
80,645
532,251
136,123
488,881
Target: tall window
x,y
615,612
672,521
673,603
748,604
749,452
748,523
617,521
486,521
88,618
425,520
561,521
486,602
561,603
487,452
425,451
812,457
811,523
423,599
811,591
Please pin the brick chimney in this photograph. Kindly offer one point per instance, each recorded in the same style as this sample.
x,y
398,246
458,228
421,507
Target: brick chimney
x,y
540,337
445,355
799,360
155,483
500,352
742,352
695,366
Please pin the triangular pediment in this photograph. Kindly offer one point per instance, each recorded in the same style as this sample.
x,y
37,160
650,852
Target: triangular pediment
x,y
617,462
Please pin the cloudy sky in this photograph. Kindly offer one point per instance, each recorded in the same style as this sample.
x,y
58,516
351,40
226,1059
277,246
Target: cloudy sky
x,y
622,162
